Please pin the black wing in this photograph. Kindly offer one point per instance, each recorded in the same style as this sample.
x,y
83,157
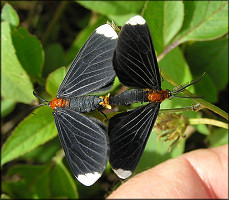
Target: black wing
x,y
92,68
85,144
134,60
128,134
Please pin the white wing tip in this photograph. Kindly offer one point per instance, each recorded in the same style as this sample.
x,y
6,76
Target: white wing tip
x,y
123,174
89,178
107,31
136,20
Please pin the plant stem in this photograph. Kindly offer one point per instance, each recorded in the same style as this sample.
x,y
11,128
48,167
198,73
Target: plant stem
x,y
144,8
168,49
189,108
202,103
213,122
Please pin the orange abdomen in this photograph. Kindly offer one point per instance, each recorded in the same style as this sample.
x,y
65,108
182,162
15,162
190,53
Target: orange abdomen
x,y
58,103
158,96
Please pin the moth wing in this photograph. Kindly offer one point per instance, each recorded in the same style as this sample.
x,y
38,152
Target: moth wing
x,y
85,144
92,67
134,60
128,133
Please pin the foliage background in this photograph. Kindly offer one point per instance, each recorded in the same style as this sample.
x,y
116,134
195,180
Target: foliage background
x,y
38,42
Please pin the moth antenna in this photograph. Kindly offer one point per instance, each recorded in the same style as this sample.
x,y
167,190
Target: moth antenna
x,y
36,95
182,88
42,104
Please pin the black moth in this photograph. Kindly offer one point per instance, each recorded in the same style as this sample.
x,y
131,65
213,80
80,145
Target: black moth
x,y
135,64
84,139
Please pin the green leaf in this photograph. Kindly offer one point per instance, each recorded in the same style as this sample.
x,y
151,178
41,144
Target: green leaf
x,y
207,89
210,57
82,37
173,18
29,51
10,15
16,84
120,20
175,66
7,106
62,184
33,179
43,153
156,152
41,182
54,80
218,137
33,131
202,128
4,196
165,20
54,58
113,7
204,20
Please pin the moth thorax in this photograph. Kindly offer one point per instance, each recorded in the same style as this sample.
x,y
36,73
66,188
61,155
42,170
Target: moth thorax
x,y
158,96
58,103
